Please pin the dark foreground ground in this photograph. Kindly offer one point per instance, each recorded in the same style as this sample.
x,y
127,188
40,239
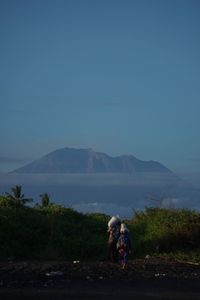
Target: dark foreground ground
x,y
152,278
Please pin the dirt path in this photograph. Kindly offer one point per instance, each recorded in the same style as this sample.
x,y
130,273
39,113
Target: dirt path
x,y
143,279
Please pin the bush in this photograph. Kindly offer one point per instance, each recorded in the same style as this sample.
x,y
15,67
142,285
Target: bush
x,y
51,232
54,232
162,230
6,202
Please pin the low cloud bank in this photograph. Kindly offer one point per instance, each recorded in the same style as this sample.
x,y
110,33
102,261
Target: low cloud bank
x,y
139,179
106,193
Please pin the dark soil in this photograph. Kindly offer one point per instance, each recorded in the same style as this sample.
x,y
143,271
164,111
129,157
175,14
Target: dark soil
x,y
152,278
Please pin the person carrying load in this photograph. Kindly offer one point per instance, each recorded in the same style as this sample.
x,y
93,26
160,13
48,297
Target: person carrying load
x,y
114,232
123,246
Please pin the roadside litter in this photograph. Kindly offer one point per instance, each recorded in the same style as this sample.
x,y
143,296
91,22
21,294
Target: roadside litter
x,y
160,275
54,273
76,261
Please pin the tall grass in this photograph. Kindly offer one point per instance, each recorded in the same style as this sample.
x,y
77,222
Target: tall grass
x,y
157,231
51,233
54,232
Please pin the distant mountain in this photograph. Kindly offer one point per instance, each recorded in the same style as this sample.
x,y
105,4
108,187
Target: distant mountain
x,y
70,160
90,181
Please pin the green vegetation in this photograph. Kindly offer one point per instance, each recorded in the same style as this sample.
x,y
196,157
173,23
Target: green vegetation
x,y
171,233
52,232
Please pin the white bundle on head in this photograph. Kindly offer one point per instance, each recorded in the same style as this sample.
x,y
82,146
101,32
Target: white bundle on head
x,y
113,221
123,228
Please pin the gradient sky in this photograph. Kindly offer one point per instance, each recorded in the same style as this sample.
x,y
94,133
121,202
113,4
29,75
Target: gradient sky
x,y
121,77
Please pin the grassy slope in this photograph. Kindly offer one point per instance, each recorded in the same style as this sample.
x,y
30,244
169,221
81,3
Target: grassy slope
x,y
58,233
175,233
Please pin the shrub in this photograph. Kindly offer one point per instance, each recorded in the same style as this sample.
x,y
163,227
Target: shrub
x,y
159,230
54,232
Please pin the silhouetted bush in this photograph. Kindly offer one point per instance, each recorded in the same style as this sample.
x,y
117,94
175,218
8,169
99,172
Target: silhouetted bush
x,y
51,232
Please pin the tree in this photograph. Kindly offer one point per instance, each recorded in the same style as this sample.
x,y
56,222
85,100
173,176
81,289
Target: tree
x,y
17,197
45,198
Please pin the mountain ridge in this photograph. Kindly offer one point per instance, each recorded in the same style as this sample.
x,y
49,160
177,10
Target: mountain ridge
x,y
86,160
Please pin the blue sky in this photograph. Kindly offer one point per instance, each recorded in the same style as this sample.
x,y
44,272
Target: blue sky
x,y
121,77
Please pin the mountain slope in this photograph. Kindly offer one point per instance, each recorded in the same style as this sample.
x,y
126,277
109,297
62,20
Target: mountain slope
x,y
70,160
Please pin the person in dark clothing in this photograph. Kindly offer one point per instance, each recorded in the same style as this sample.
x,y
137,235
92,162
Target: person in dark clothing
x,y
123,246
114,233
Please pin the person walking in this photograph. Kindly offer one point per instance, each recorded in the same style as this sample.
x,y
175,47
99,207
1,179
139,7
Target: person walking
x,y
123,246
114,232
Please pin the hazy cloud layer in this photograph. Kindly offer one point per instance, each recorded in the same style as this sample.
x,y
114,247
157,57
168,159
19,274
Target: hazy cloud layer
x,y
106,193
142,179
109,208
